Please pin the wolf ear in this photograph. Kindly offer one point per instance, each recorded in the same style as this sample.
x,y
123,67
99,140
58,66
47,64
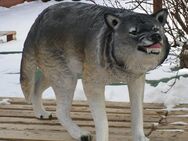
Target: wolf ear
x,y
161,16
112,21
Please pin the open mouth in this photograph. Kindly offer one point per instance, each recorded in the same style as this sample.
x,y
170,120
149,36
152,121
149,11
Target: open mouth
x,y
151,49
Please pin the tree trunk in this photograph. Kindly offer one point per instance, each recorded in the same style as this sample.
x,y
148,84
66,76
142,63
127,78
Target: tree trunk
x,y
157,5
184,56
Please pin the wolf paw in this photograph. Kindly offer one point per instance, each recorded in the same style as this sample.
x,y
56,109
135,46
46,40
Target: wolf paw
x,y
146,139
86,138
143,139
44,115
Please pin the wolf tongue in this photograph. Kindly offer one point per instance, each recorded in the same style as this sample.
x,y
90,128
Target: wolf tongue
x,y
153,49
157,45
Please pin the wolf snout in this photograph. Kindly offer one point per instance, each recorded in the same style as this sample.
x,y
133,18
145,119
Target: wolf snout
x,y
155,37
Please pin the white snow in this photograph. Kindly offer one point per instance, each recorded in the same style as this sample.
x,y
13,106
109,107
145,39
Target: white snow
x,y
5,102
179,123
21,17
172,130
182,116
155,125
178,109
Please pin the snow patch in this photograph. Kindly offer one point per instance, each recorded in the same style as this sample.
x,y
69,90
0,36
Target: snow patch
x,y
14,19
179,123
183,116
172,130
177,109
5,102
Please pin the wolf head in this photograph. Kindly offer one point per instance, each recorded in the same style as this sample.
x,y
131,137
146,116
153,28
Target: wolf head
x,y
135,41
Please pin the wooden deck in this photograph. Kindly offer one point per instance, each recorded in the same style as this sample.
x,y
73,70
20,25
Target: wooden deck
x,y
17,122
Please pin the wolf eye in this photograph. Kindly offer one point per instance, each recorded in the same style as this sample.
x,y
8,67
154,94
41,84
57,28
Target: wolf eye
x,y
133,31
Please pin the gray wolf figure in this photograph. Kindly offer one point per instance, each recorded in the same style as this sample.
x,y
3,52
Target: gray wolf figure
x,y
104,45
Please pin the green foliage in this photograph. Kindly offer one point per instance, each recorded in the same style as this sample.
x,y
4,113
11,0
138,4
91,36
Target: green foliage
x,y
38,74
154,83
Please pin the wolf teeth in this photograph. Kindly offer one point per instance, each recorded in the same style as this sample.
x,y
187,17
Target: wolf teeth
x,y
153,50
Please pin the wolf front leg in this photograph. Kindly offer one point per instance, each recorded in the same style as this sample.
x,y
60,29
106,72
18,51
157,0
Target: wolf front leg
x,y
136,94
95,96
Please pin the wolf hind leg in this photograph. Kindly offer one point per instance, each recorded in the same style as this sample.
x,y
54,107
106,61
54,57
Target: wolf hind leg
x,y
41,84
64,91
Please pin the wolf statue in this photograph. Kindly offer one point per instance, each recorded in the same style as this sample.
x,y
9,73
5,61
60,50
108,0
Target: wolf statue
x,y
102,45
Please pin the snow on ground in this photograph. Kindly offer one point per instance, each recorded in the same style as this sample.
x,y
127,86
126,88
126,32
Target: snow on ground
x,y
5,102
21,17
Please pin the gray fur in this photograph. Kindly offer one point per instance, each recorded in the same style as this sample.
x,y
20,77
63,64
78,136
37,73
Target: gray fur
x,y
104,46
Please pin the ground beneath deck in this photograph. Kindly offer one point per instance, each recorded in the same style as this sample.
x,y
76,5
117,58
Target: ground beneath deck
x,y
17,122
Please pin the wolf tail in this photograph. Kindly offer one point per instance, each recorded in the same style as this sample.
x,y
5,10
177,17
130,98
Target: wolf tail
x,y
28,70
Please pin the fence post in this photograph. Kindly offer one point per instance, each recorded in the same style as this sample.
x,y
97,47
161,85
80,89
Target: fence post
x,y
157,5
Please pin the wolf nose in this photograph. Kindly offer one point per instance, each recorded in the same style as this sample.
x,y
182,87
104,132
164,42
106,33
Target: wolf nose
x,y
155,37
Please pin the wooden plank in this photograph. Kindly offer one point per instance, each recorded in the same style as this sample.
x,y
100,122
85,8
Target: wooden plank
x,y
113,131
17,122
34,121
30,135
79,108
76,115
109,104
157,5
87,116
26,133
85,108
